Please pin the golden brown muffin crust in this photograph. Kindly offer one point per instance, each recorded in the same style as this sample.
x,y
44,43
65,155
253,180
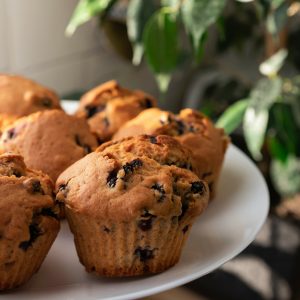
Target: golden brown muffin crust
x,y
108,106
20,96
49,141
123,180
28,220
192,129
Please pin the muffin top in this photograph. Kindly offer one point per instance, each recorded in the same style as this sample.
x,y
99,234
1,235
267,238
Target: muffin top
x,y
147,122
20,96
49,141
108,106
208,143
26,198
192,129
133,177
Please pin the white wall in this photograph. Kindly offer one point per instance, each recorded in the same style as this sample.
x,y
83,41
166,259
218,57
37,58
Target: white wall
x,y
32,43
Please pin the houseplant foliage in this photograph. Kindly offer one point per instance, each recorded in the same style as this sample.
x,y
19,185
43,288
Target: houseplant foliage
x,y
154,29
165,31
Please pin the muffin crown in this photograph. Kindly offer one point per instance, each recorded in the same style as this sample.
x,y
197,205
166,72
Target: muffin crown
x,y
134,177
24,194
21,96
108,106
49,140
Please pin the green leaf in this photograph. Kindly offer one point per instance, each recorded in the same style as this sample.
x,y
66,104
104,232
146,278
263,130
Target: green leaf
x,y
286,175
284,125
277,18
233,116
256,117
272,65
161,46
291,95
171,3
198,15
138,13
277,149
84,11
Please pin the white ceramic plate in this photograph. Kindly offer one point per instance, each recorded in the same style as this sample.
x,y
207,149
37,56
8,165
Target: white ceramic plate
x,y
224,230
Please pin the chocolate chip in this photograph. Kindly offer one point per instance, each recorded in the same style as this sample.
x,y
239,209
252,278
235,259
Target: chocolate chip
x,y
91,110
184,208
145,223
17,173
37,188
198,187
9,264
106,121
47,211
158,187
87,149
144,254
106,229
153,139
33,186
62,192
62,188
11,133
185,229
99,141
47,102
146,103
112,178
180,127
131,166
146,214
34,232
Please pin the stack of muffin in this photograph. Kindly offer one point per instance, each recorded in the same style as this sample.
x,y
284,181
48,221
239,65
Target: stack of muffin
x,y
130,178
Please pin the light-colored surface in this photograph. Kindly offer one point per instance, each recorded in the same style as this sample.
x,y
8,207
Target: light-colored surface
x,y
225,229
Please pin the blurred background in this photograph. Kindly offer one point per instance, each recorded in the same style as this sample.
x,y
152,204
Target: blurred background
x,y
238,61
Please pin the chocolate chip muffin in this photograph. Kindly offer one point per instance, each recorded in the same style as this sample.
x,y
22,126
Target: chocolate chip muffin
x,y
193,130
131,205
20,96
28,220
108,106
49,141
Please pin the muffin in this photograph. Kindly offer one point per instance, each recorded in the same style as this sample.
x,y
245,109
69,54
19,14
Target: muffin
x,y
193,130
20,96
49,141
108,106
131,204
6,120
28,222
